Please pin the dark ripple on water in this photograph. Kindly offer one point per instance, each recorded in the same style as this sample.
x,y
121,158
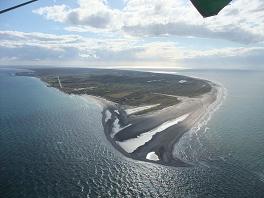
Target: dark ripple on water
x,y
60,150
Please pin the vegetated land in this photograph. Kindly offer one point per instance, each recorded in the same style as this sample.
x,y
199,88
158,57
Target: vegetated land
x,y
128,88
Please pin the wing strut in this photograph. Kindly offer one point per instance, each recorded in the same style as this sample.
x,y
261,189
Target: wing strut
x,y
17,6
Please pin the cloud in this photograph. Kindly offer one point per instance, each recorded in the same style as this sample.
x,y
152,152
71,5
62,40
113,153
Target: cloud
x,y
239,22
235,34
56,13
98,20
227,58
22,46
39,48
92,13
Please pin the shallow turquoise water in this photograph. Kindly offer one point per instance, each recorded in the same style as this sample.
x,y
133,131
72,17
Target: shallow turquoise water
x,y
53,145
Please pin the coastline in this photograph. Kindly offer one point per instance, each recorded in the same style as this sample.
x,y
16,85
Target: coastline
x,y
151,135
126,127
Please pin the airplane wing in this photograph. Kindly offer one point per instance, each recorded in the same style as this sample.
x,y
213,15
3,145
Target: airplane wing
x,y
206,8
209,8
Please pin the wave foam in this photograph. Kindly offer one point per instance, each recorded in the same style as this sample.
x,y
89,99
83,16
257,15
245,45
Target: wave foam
x,y
183,145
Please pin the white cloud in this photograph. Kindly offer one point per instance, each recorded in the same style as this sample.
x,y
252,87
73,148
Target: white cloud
x,y
91,13
32,46
239,22
38,48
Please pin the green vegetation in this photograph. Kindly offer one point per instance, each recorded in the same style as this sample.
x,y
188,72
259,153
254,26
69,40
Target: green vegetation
x,y
128,88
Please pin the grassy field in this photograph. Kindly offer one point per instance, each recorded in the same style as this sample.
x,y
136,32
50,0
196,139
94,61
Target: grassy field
x,y
128,88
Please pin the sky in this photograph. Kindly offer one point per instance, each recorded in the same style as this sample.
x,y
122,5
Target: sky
x,y
132,33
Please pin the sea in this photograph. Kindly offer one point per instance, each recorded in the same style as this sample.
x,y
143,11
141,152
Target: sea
x,y
53,145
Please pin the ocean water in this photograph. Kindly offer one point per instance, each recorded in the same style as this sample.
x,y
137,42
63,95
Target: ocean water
x,y
53,145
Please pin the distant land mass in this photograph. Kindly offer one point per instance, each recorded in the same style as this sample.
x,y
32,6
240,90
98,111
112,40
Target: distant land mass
x,y
144,114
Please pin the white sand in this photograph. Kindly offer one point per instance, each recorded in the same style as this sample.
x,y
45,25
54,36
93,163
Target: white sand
x,y
107,115
84,88
59,82
130,111
152,156
117,128
132,144
117,112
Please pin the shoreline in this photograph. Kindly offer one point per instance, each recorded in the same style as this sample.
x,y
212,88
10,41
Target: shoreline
x,y
152,134
126,127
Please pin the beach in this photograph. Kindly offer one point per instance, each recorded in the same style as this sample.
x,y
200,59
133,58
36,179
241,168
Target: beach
x,y
54,144
144,114
151,137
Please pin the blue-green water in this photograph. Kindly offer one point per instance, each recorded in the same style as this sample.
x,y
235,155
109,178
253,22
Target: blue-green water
x,y
53,145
